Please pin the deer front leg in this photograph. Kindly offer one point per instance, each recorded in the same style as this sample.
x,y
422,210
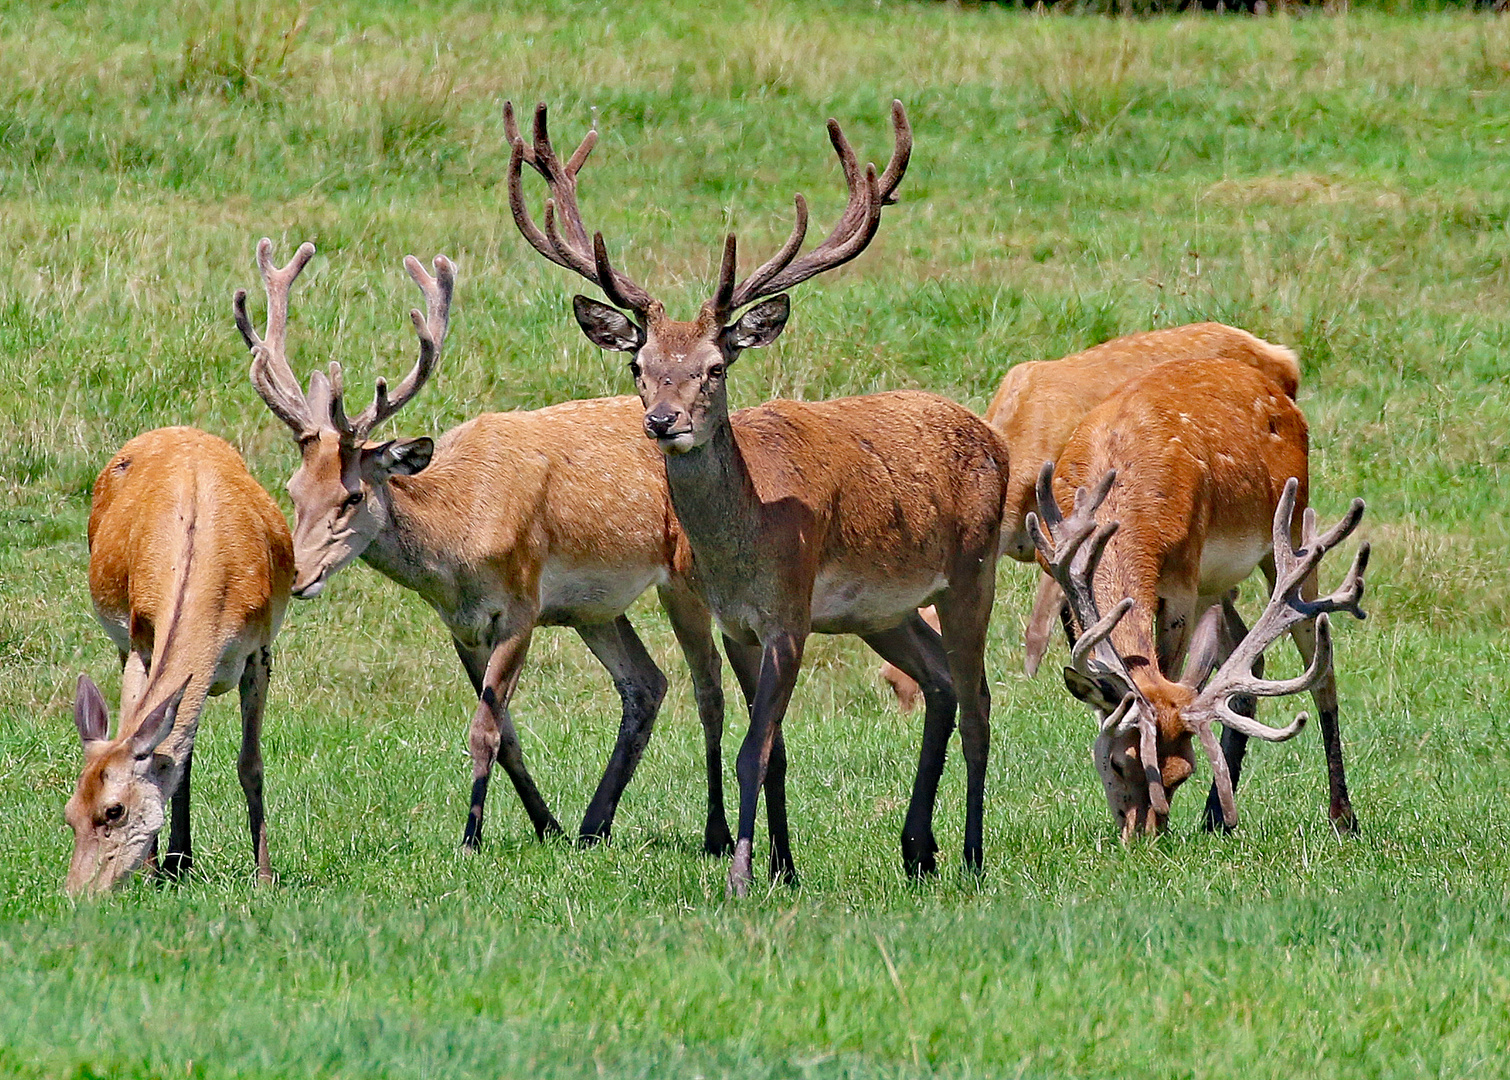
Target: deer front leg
x,y
492,736
254,678
1234,743
780,660
694,633
641,686
180,857
1340,806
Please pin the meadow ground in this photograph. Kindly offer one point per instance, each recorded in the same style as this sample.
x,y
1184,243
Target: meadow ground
x,y
1338,184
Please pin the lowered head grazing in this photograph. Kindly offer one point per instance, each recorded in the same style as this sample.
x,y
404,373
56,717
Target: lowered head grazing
x,y
117,808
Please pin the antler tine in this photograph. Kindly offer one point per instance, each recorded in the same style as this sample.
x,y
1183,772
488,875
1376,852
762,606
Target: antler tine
x,y
1086,643
271,375
751,287
429,327
566,243
1286,608
856,227
901,154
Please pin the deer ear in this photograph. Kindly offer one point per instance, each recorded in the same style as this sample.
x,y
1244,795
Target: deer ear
x,y
158,724
1205,649
1100,694
398,457
90,715
759,326
606,327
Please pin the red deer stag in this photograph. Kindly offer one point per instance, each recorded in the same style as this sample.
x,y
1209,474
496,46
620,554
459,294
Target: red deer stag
x,y
1196,486
557,517
189,567
834,517
1038,406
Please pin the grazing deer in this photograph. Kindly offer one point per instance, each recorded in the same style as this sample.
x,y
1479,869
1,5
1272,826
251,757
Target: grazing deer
x,y
1201,465
1038,406
833,517
189,567
556,517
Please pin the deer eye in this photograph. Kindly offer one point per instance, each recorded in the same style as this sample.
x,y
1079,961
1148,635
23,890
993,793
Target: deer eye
x,y
716,371
634,370
352,501
115,812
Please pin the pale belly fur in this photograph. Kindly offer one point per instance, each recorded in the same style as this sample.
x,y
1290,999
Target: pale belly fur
x,y
846,602
584,594
1227,561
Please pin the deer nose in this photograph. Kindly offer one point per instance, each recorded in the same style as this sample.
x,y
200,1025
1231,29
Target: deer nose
x,y
659,421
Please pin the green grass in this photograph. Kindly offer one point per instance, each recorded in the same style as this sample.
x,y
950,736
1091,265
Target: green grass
x,y
1339,184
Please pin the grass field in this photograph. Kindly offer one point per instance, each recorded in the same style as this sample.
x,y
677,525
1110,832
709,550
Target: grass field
x,y
1338,184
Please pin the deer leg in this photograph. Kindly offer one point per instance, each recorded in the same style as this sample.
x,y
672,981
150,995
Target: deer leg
x,y
745,660
641,686
780,660
180,857
253,689
1340,806
783,868
694,633
964,616
916,648
1234,743
492,736
134,668
1048,603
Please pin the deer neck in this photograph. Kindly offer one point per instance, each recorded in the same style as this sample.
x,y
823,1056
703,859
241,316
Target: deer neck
x,y
714,496
405,548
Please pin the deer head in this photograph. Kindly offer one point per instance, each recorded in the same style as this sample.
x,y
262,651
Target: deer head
x,y
679,367
340,488
1143,750
117,809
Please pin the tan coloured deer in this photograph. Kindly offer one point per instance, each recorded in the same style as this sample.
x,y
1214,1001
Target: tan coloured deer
x,y
1040,403
834,517
1199,466
557,517
189,566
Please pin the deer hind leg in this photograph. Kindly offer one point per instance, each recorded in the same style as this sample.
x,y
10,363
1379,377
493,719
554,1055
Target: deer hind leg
x,y
1234,743
964,614
1340,806
694,632
916,649
642,687
492,736
780,661
180,857
1048,603
254,679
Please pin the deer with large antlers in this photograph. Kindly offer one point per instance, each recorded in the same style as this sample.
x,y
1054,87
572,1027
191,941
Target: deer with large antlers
x,y
1038,405
189,567
834,517
510,521
1198,469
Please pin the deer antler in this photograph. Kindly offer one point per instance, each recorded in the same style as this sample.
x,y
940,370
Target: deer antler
x,y
430,328
1071,549
271,375
325,402
574,250
1287,606
868,194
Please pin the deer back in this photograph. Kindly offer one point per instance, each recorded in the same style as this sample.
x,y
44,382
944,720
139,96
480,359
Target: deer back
x,y
1202,450
180,534
1040,403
